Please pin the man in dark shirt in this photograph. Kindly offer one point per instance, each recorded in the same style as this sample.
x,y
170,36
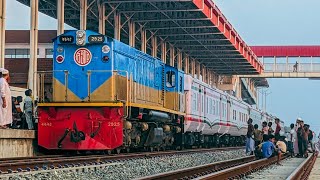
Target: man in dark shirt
x,y
278,128
300,135
250,141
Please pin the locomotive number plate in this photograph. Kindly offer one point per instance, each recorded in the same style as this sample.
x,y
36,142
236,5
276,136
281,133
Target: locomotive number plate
x,y
113,123
66,39
96,39
82,56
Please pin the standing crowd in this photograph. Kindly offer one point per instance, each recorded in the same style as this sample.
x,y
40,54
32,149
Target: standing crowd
x,y
11,113
266,142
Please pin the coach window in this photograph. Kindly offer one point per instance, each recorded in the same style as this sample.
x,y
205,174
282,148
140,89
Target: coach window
x,y
49,53
170,79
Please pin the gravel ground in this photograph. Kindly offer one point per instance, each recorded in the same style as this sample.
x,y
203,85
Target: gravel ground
x,y
139,167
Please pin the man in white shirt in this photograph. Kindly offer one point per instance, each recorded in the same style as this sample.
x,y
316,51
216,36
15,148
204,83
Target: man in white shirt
x,y
5,100
291,139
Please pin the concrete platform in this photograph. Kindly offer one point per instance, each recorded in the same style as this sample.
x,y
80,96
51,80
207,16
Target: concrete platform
x,y
16,143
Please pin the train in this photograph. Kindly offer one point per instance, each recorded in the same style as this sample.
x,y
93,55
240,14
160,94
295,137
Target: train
x,y
107,96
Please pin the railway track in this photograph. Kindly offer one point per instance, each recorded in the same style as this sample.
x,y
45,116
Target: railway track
x,y
16,165
238,169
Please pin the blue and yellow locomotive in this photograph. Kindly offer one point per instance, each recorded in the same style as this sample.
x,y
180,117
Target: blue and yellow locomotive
x,y
108,95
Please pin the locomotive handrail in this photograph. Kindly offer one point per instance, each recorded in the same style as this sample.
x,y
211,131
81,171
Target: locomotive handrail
x,y
40,83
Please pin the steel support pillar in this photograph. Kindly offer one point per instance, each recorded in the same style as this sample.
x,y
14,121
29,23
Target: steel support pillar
x,y
179,60
154,46
102,18
143,33
209,78
83,14
164,51
193,65
2,31
132,33
239,89
186,64
198,67
172,56
60,17
117,25
32,80
203,73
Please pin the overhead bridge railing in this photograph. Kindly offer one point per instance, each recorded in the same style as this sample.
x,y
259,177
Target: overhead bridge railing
x,y
305,68
291,67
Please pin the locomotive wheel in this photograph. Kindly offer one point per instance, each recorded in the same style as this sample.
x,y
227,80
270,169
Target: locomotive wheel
x,y
109,152
118,150
127,150
151,149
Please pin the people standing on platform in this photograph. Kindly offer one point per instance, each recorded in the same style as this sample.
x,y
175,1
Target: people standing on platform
x,y
6,101
17,113
291,140
257,135
296,142
278,127
305,139
265,127
310,138
28,108
270,130
302,139
249,140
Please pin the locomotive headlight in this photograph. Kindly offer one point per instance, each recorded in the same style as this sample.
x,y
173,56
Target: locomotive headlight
x,y
60,49
81,36
105,49
80,33
80,42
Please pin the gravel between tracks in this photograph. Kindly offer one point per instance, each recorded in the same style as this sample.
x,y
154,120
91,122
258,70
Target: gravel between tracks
x,y
139,167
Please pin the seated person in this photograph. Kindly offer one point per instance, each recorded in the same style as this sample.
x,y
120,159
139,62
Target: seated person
x,y
258,149
281,147
268,147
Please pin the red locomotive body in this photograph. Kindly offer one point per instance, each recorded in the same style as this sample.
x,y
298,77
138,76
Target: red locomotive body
x,y
80,128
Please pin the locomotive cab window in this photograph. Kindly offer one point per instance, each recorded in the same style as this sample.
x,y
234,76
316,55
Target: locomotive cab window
x,y
170,79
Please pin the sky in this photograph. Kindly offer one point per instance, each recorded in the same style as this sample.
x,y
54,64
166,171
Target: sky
x,y
272,22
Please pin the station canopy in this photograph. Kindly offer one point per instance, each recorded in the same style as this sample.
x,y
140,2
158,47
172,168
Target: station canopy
x,y
195,27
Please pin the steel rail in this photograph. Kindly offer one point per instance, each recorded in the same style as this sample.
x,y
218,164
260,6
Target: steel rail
x,y
304,169
15,165
241,171
193,172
